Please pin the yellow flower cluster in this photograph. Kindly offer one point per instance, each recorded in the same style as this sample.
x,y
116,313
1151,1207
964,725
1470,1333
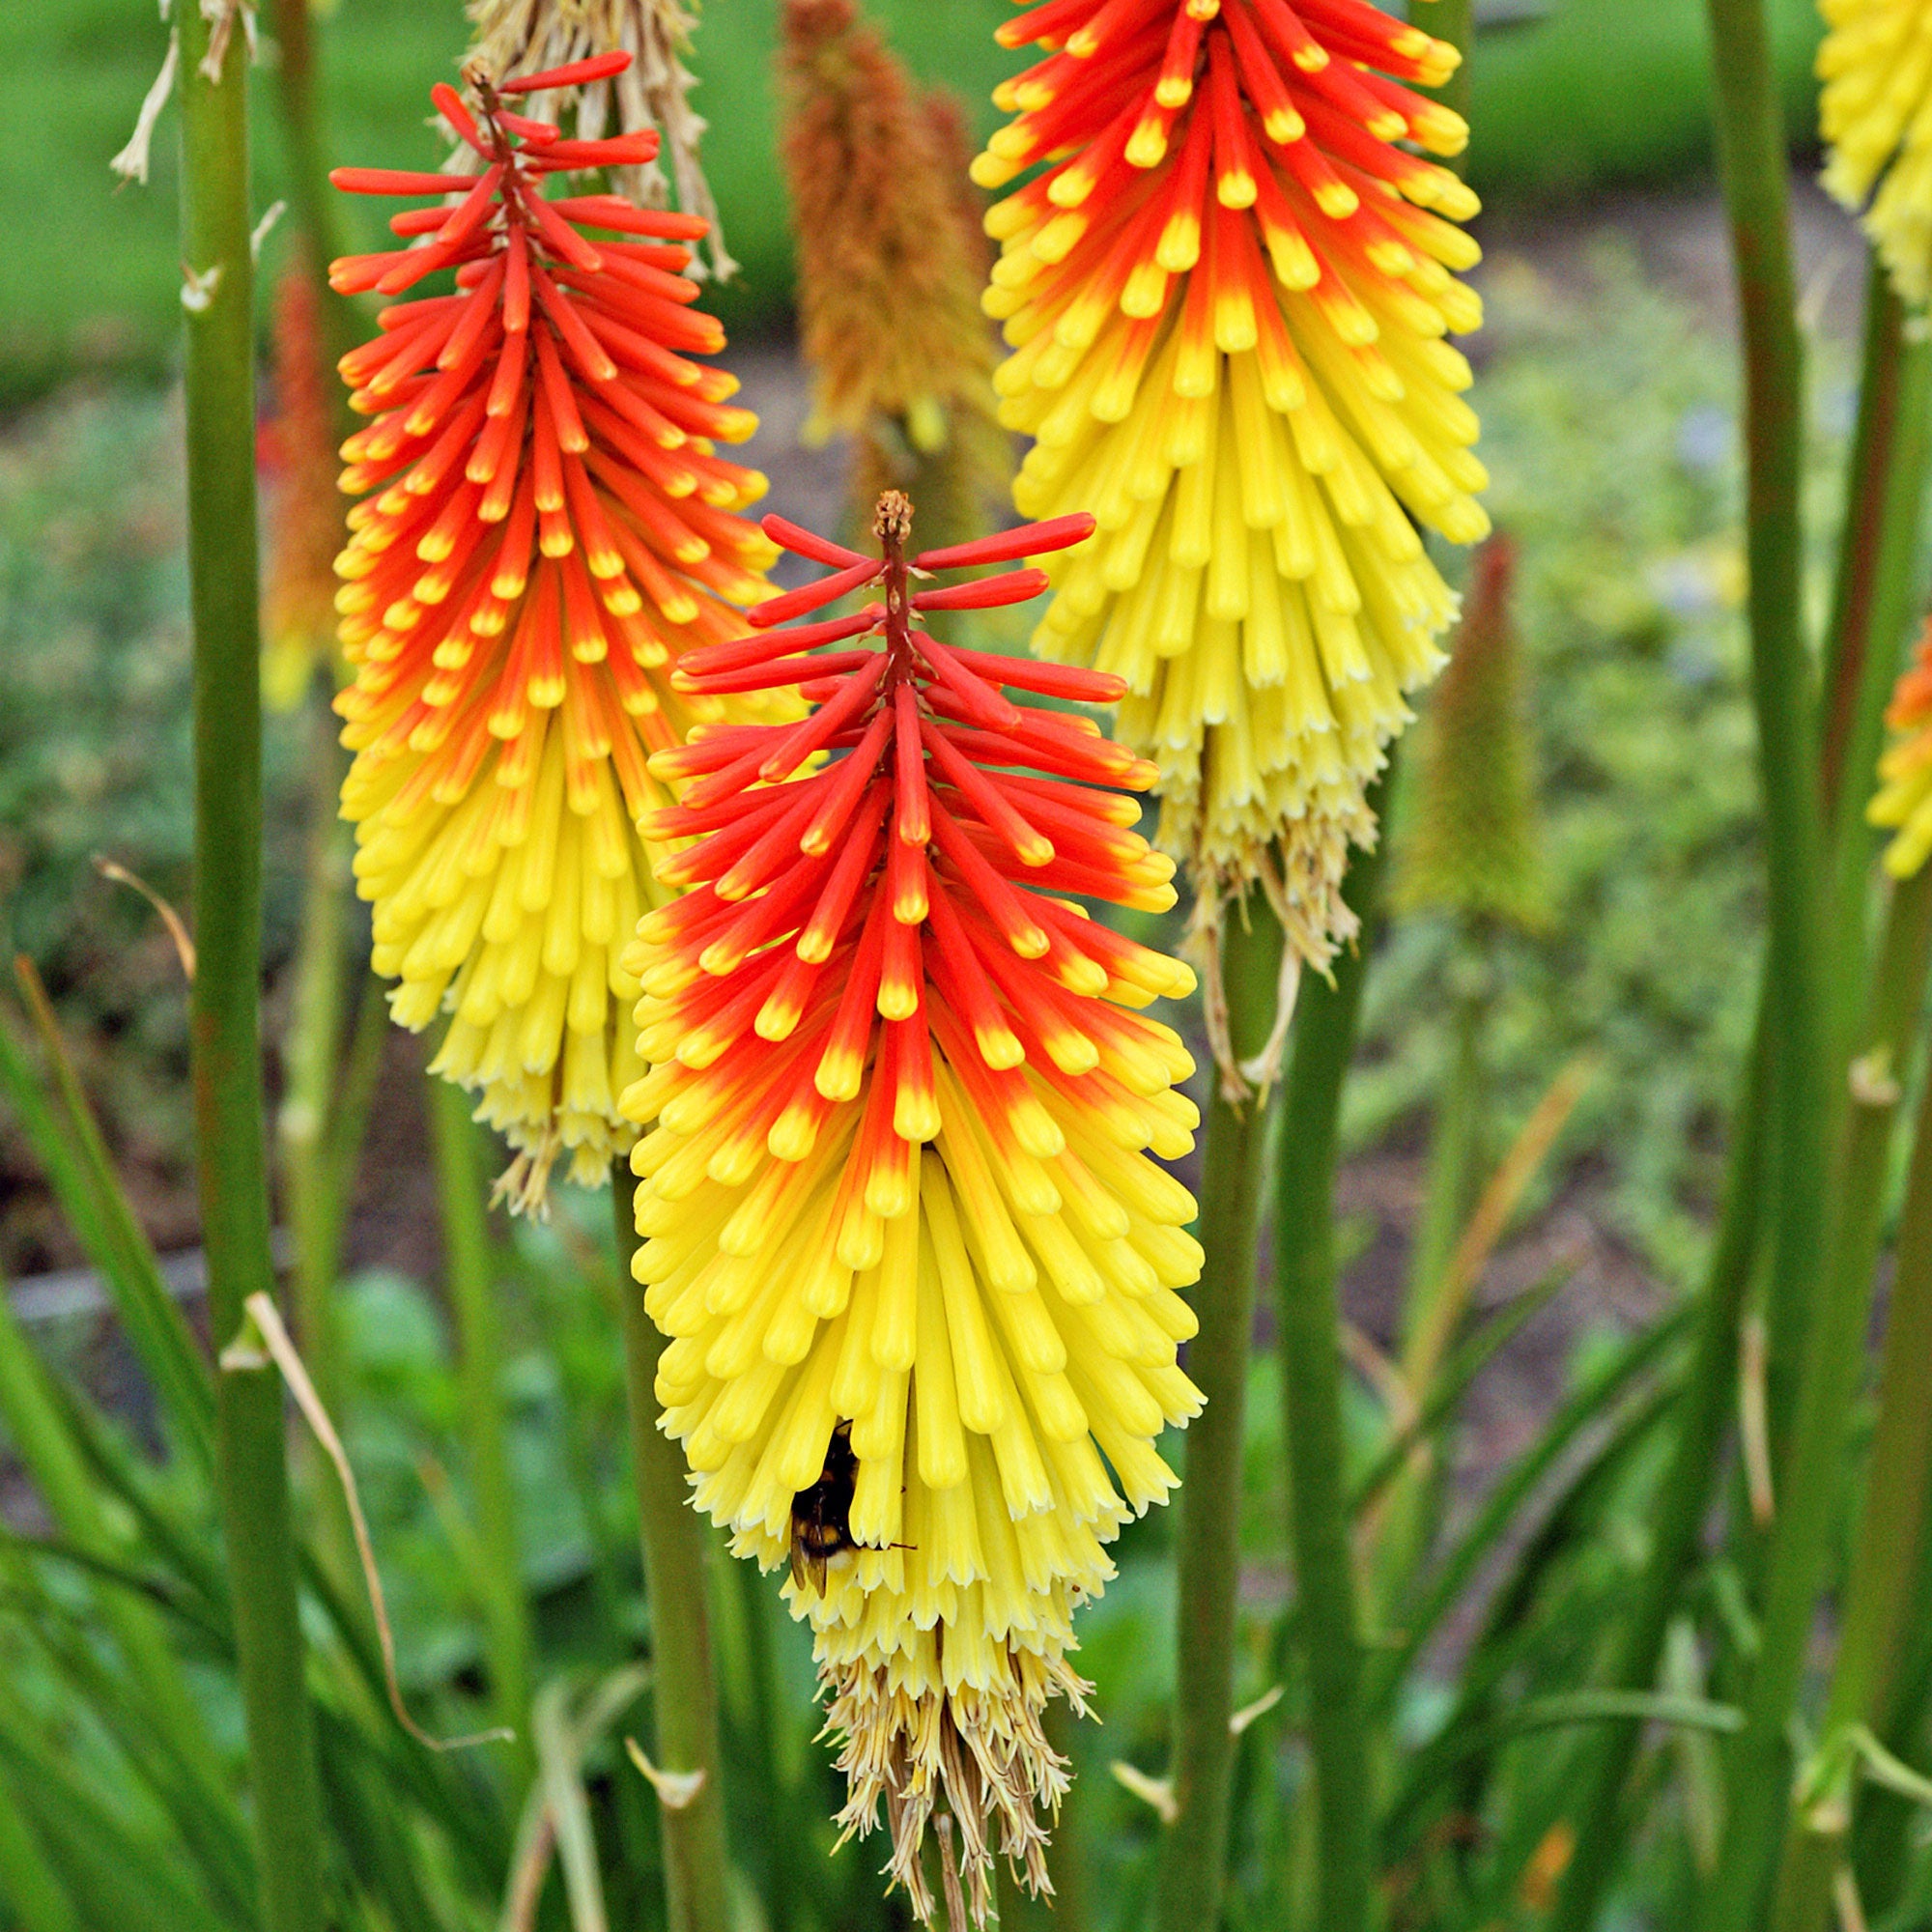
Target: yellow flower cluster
x,y
1875,113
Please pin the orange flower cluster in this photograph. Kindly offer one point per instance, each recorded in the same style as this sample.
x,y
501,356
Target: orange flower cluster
x,y
297,448
548,528
898,1213
1904,801
887,226
1228,290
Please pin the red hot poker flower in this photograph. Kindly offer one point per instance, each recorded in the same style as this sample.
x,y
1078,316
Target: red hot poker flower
x,y
898,1218
547,529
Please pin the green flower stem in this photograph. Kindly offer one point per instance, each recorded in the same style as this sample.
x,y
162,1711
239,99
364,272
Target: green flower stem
x,y
311,1054
1878,582
684,1687
473,1297
1308,1324
1818,1330
1194,1849
295,69
1682,1503
1887,476
1885,1560
250,1458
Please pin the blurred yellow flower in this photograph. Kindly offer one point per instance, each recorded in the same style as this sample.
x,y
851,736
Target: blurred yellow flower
x,y
1875,113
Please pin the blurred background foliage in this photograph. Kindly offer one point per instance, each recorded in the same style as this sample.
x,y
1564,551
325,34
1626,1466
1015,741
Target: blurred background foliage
x,y
94,283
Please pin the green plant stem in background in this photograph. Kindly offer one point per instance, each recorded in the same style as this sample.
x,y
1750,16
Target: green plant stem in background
x,y
1821,1333
1877,594
1310,1347
1194,1848
311,1054
1436,1298
1454,22
684,1689
1682,1499
479,1332
295,64
1885,1560
231,1156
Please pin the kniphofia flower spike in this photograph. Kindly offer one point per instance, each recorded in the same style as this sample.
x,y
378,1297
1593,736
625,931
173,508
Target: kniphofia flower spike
x,y
1904,801
549,528
896,1202
1873,112
1228,291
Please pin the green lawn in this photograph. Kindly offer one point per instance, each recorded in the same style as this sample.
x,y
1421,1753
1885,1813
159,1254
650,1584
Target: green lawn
x,y
1594,91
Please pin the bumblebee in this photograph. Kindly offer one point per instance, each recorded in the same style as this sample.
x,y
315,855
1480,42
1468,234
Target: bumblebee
x,y
821,1516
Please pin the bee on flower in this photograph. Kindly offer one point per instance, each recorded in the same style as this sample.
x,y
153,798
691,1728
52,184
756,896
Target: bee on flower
x,y
1873,113
898,1217
1904,802
544,528
1228,292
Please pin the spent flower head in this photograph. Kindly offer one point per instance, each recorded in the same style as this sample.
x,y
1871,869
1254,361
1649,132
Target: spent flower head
x,y
899,1216
891,258
544,528
1228,285
517,38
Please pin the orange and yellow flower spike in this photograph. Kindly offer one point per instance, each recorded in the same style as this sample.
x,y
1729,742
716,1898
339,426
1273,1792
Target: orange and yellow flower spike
x,y
1904,801
1228,292
546,529
1873,113
917,1271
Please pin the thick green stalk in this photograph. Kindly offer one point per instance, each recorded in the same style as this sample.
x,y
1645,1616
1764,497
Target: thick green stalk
x,y
472,1298
1434,1302
1885,1561
778,1854
251,1465
684,1687
1308,1326
1827,1327
1860,539
1194,1849
1682,1501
